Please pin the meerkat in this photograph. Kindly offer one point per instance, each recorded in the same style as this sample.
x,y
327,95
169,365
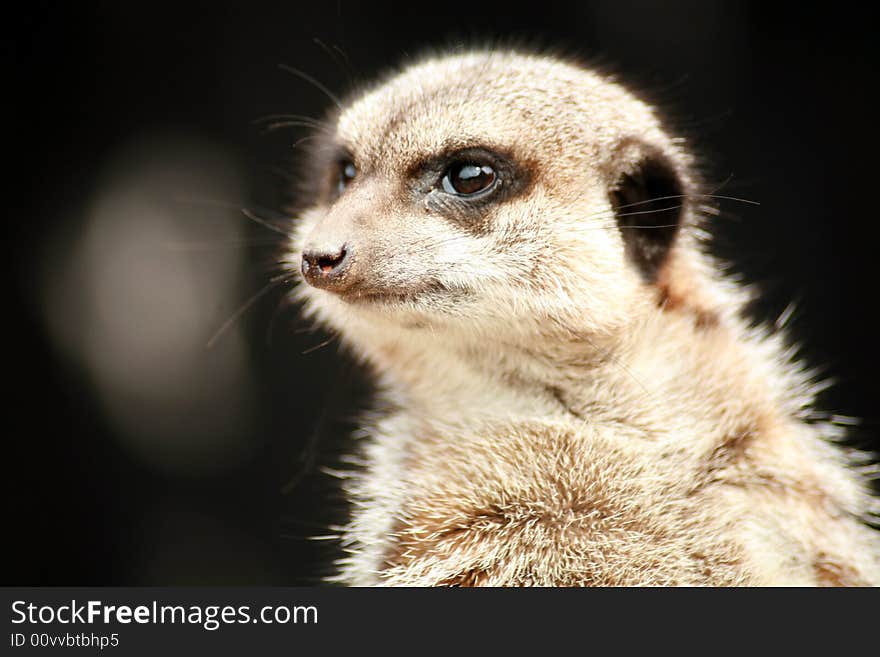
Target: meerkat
x,y
513,244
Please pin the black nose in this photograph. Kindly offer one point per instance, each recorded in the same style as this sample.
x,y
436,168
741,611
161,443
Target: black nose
x,y
325,268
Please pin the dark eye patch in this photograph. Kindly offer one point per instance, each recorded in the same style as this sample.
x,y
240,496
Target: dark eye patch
x,y
463,184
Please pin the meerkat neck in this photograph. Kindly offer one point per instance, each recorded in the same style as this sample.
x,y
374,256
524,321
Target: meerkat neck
x,y
572,372
450,378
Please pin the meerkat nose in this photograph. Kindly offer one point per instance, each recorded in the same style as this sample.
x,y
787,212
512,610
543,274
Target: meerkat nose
x,y
325,268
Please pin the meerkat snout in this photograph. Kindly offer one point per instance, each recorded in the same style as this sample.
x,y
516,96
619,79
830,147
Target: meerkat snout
x,y
325,267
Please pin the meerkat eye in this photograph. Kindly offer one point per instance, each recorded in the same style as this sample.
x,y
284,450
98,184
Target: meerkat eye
x,y
468,179
347,172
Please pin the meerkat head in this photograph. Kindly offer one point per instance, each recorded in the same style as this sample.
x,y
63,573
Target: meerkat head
x,y
494,192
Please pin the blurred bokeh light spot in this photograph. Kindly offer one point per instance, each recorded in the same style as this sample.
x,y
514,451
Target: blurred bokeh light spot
x,y
129,299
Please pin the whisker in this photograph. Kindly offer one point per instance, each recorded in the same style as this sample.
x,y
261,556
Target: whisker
x,y
227,205
303,139
263,222
615,215
632,214
341,60
728,198
270,118
285,277
272,284
342,53
313,81
319,346
686,196
722,184
278,125
209,246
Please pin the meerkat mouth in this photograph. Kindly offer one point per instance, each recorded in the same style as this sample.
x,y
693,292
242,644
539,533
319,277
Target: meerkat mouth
x,y
362,295
379,297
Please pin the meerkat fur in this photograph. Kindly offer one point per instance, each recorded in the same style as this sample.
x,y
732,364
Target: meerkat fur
x,y
572,393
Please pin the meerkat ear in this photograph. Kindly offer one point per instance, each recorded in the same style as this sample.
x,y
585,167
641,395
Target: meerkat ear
x,y
650,204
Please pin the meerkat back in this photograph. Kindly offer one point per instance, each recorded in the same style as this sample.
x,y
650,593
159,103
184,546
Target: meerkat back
x,y
571,393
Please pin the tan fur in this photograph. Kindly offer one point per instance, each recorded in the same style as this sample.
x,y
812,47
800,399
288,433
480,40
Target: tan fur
x,y
559,419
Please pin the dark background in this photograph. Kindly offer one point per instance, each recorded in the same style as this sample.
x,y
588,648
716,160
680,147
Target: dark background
x,y
776,100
